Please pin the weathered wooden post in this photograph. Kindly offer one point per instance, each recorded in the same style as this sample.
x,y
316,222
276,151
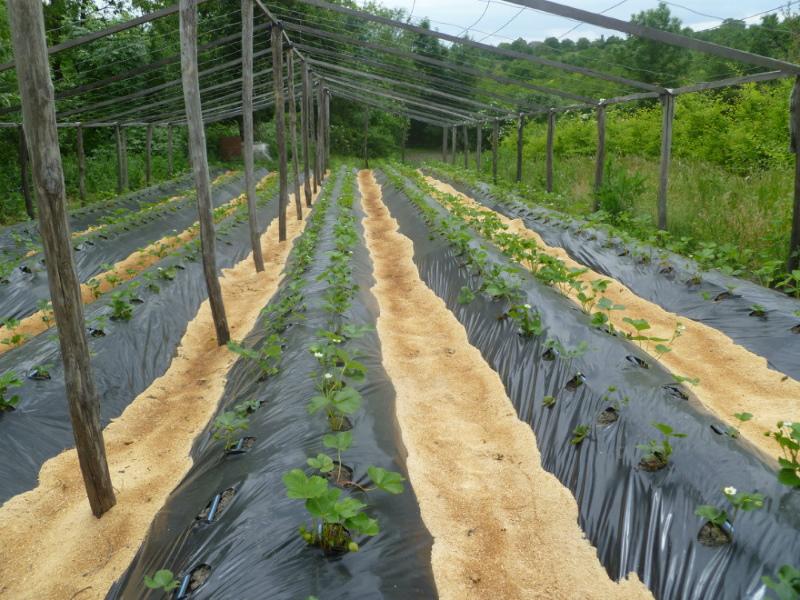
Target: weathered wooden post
x,y
495,144
81,163
148,155
454,144
403,144
280,127
366,137
600,161
298,202
199,161
23,173
318,164
794,124
444,144
479,147
465,131
169,149
327,128
39,119
118,137
247,132
551,131
306,117
668,107
125,179
520,127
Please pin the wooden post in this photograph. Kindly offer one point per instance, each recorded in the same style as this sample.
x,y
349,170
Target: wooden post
x,y
479,147
600,162
39,119
794,123
148,156
280,127
465,131
444,144
520,127
298,202
23,174
199,161
495,144
125,178
668,107
118,137
318,162
81,163
551,131
327,129
366,137
306,117
169,149
403,145
313,121
247,133
454,144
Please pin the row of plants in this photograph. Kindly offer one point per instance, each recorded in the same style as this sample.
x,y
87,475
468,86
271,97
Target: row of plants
x,y
335,502
278,317
645,243
500,283
122,302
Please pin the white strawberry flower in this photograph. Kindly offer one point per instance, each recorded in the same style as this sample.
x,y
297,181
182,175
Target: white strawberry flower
x,y
328,376
730,491
318,354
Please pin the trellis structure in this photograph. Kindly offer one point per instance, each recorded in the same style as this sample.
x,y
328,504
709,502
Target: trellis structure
x,y
331,64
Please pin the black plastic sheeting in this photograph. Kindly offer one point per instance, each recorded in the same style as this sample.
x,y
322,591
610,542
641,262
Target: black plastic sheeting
x,y
124,362
639,521
14,237
19,297
669,282
254,548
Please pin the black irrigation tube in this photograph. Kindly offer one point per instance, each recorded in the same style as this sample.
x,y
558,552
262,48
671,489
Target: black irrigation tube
x,y
639,521
125,361
252,546
27,285
675,283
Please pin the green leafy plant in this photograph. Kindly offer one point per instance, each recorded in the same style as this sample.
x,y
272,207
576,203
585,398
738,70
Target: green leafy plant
x,y
657,452
267,356
9,379
739,500
528,320
162,580
465,295
602,318
46,308
338,404
15,339
579,434
227,425
787,584
787,435
549,401
121,307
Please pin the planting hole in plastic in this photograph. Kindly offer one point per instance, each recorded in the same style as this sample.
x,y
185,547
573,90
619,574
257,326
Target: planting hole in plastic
x,y
341,476
96,332
38,374
636,361
550,354
796,329
242,446
576,382
214,509
676,391
609,416
714,536
724,296
193,580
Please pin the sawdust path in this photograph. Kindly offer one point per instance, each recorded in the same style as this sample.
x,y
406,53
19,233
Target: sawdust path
x,y
732,379
503,527
126,269
51,547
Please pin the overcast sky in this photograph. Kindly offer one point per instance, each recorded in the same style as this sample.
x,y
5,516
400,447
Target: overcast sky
x,y
506,22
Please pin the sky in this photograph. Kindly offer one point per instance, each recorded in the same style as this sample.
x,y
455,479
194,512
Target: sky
x,y
505,21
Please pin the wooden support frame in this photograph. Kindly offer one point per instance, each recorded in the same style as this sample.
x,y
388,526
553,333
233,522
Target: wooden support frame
x,y
306,116
170,164
327,96
126,184
81,163
454,144
280,126
24,185
318,161
118,138
366,137
520,130
793,263
495,149
39,119
668,108
551,132
298,201
600,160
247,133
148,155
403,144
465,131
313,122
444,144
199,162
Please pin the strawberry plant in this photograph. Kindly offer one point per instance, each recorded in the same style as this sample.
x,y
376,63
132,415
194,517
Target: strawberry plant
x,y
579,434
788,437
162,580
9,379
227,425
717,529
46,308
267,356
121,308
528,320
787,584
337,403
15,339
657,452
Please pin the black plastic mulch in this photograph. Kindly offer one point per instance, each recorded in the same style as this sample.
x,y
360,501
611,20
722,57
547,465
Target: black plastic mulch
x,y
639,521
